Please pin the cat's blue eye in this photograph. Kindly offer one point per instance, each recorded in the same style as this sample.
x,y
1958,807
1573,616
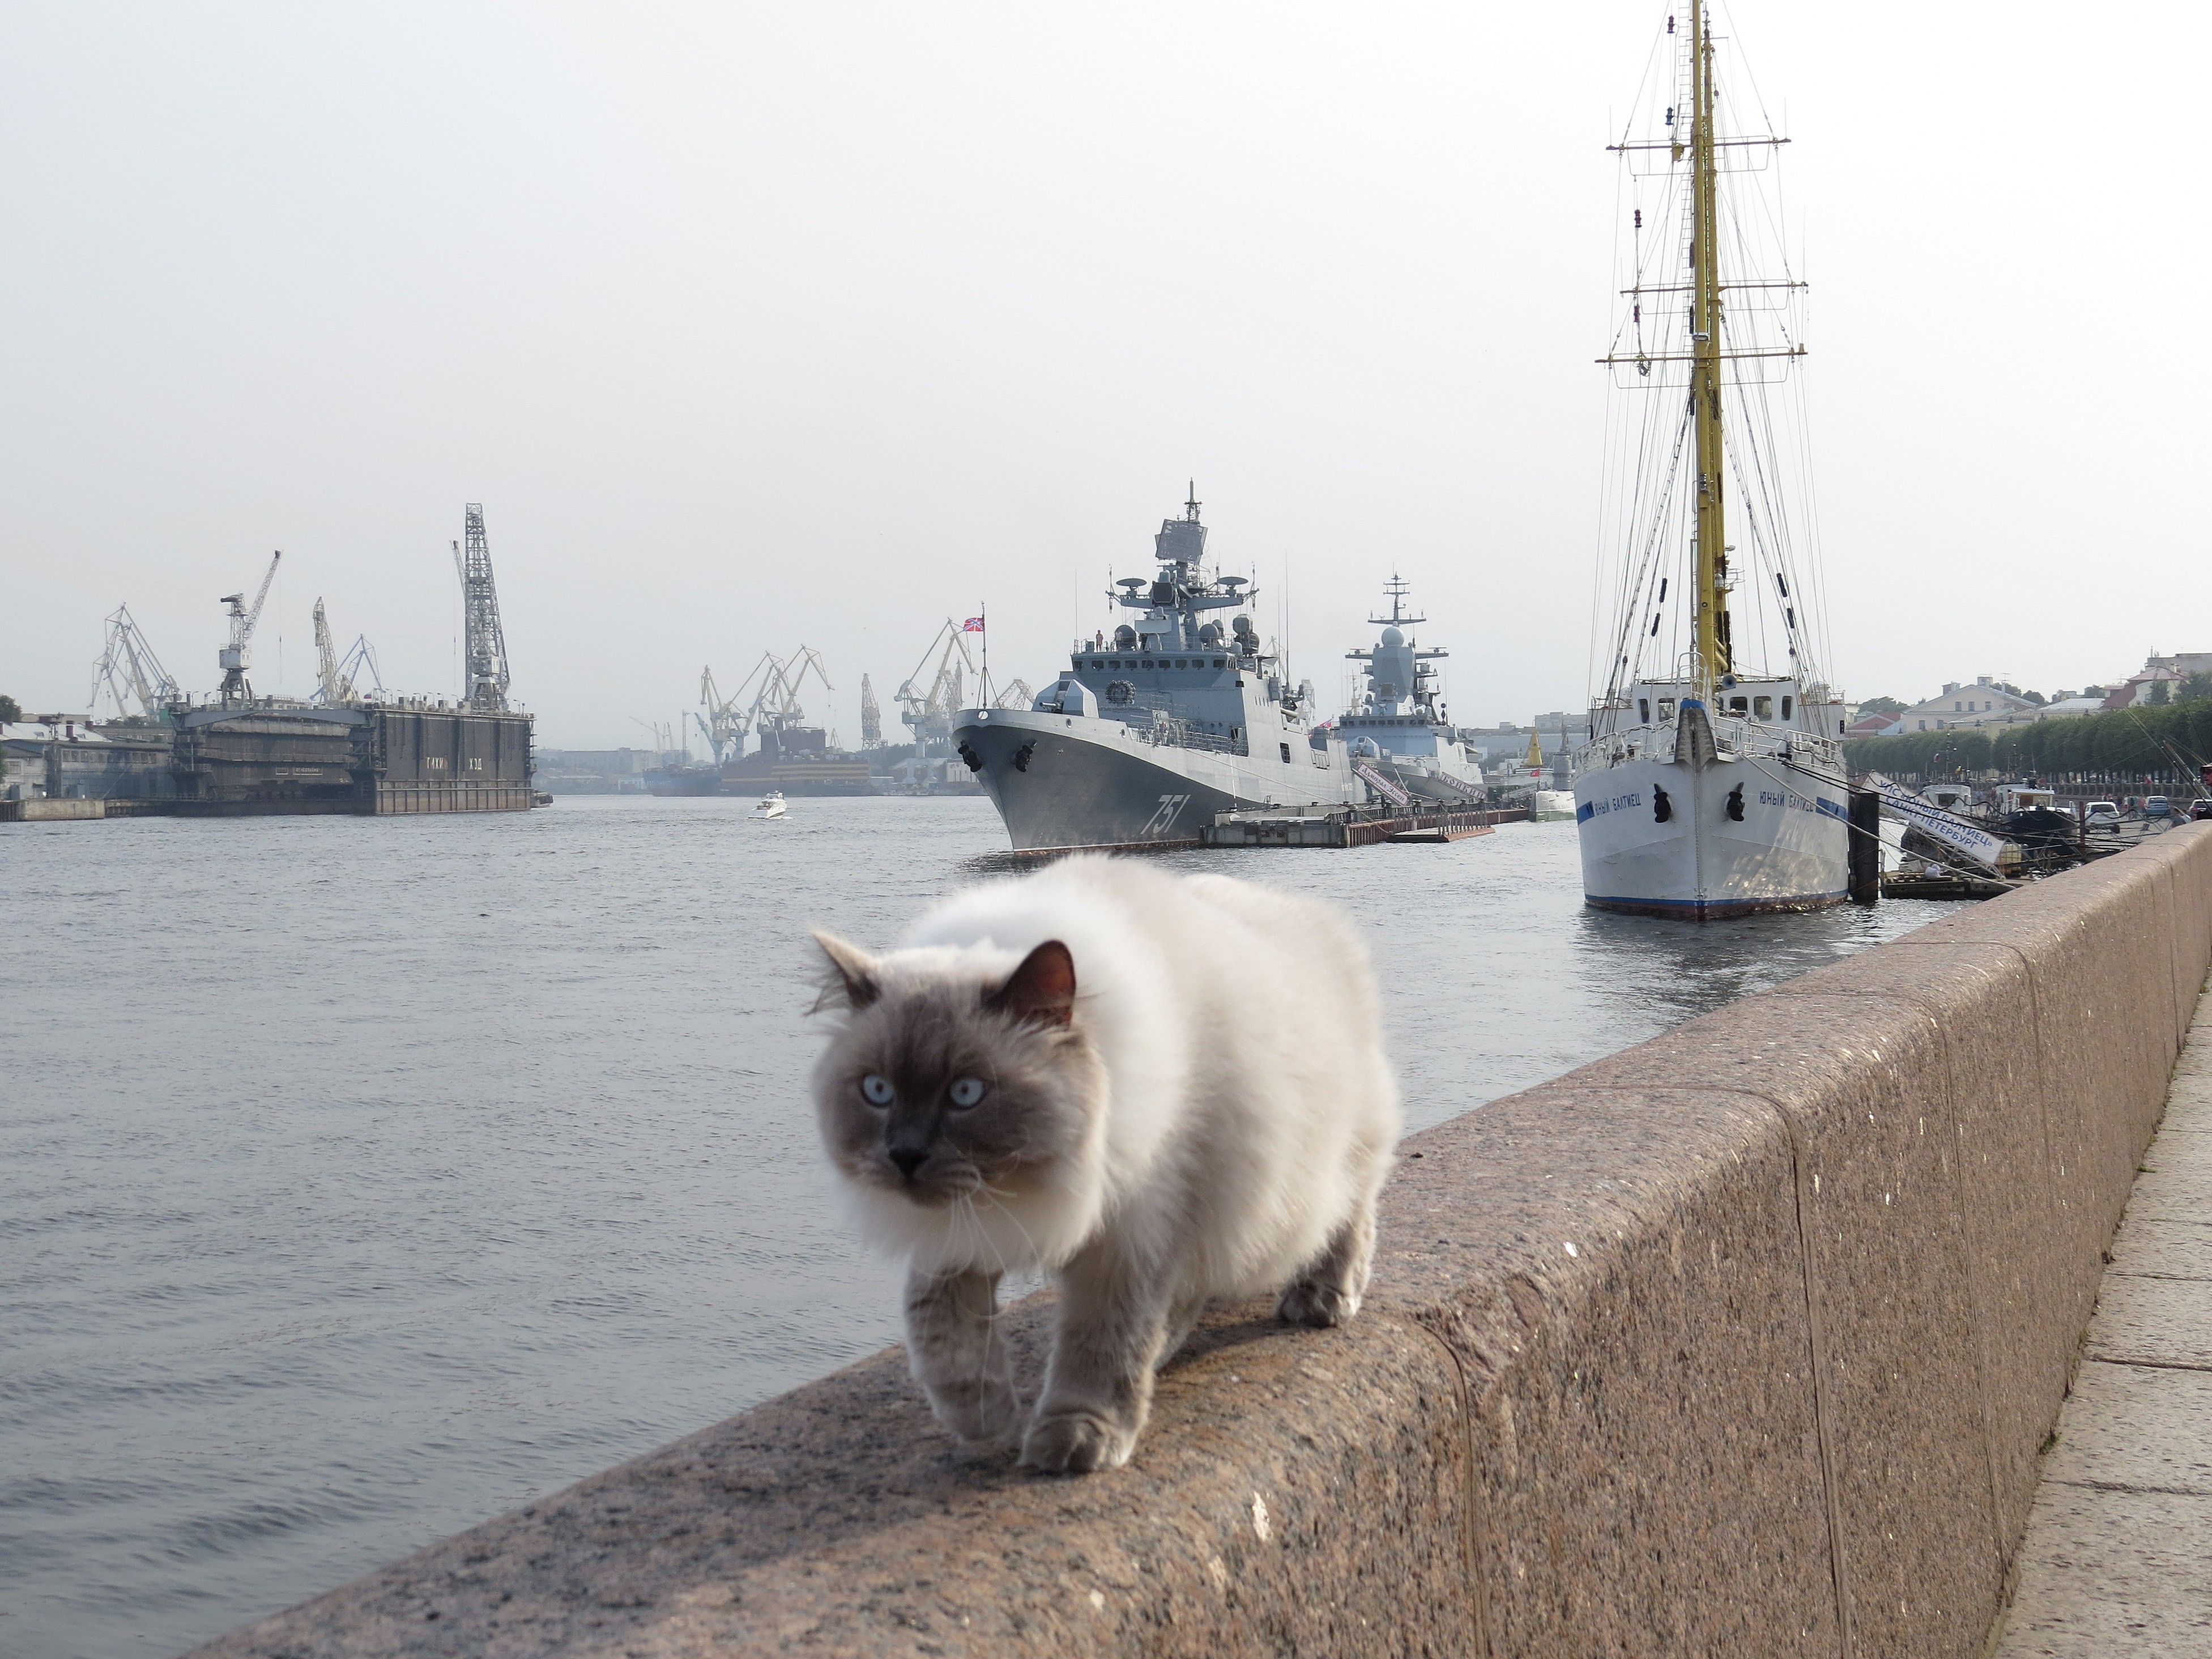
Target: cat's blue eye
x,y
877,1090
969,1091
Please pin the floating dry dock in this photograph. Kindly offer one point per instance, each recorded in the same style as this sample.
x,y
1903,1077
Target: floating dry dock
x,y
268,757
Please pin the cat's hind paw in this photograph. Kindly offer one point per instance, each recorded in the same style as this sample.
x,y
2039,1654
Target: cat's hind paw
x,y
1317,1306
1077,1443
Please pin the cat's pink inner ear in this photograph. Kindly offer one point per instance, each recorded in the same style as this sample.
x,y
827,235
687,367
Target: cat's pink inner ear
x,y
1042,988
855,970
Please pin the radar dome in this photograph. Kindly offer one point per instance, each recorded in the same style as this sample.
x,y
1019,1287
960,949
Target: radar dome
x,y
1393,636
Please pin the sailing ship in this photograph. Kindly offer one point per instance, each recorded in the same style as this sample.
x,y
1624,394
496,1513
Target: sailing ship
x,y
1398,726
1712,783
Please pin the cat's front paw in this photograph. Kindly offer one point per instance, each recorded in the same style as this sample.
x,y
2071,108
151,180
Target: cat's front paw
x,y
1317,1306
1075,1442
984,1418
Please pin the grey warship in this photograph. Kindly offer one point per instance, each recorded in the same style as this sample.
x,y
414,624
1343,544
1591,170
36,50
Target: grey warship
x,y
1143,739
1399,727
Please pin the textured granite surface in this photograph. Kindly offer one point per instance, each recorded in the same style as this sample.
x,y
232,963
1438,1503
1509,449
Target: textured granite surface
x,y
2116,1554
1741,1342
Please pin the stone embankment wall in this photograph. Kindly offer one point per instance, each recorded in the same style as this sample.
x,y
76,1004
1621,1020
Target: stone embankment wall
x,y
1744,1340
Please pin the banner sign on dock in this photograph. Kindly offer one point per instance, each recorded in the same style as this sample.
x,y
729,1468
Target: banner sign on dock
x,y
1934,823
1381,785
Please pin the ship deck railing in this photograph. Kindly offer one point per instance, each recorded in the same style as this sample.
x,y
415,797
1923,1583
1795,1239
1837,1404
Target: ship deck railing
x,y
1736,739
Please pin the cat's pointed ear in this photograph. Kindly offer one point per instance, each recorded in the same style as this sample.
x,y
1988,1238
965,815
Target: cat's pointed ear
x,y
1042,988
852,976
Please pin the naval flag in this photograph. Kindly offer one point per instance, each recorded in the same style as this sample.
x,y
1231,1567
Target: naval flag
x,y
973,625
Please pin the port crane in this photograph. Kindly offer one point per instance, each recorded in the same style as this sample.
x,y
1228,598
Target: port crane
x,y
930,713
486,641
130,673
359,661
775,683
237,656
871,717
727,719
337,680
331,685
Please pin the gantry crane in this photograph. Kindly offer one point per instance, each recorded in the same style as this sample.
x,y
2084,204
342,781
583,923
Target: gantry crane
x,y
130,673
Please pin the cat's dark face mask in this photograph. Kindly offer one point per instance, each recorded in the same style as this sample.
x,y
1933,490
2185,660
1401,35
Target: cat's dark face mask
x,y
941,1088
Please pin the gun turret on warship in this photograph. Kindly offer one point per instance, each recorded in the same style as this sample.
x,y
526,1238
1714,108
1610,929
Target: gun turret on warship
x,y
1398,727
1143,739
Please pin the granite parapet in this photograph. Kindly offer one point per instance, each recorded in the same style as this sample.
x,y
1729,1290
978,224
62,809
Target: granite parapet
x,y
1745,1340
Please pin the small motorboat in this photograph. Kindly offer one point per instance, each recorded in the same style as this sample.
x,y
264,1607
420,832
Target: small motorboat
x,y
771,806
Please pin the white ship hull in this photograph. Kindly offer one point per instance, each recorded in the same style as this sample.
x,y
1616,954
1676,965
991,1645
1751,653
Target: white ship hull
x,y
1701,862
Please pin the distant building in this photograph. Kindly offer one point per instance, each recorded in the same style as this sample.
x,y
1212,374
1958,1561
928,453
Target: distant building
x,y
2188,662
2066,708
594,771
2169,671
1958,706
1876,726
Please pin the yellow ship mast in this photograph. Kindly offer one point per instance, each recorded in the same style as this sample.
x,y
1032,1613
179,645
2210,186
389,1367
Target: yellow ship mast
x,y
1713,645
1715,652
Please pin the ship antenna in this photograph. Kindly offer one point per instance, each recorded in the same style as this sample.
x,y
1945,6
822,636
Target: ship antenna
x,y
1190,506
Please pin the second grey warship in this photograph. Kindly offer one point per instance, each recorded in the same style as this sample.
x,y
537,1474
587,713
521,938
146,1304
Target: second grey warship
x,y
1398,726
1143,739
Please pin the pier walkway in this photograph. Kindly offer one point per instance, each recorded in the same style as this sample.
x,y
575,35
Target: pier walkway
x,y
2118,1557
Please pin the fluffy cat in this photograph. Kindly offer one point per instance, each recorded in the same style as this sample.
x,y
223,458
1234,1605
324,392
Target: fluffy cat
x,y
1161,1089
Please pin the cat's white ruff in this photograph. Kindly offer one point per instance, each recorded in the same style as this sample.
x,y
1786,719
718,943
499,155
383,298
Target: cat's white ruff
x,y
1250,1110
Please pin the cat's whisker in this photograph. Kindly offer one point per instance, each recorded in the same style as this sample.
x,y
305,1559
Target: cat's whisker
x,y
1035,1254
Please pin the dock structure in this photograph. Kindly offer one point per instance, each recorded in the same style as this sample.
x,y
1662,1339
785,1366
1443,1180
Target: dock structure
x,y
1748,1340
268,757
1344,827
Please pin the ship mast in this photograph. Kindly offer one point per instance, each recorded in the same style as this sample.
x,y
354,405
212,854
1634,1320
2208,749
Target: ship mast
x,y
1710,626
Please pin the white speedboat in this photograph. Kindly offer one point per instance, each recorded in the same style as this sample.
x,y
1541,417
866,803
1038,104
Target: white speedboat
x,y
771,806
1710,786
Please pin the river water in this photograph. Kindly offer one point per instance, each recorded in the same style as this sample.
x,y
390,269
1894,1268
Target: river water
x,y
363,1178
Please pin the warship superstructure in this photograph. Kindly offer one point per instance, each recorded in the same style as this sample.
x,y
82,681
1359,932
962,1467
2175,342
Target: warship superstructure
x,y
1399,728
1144,737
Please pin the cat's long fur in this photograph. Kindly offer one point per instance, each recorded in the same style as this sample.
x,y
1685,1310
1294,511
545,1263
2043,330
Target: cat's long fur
x,y
1212,1118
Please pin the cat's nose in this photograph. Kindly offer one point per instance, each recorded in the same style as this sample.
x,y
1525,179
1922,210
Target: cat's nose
x,y
909,1158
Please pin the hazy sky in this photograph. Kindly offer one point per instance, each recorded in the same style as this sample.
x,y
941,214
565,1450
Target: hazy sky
x,y
751,324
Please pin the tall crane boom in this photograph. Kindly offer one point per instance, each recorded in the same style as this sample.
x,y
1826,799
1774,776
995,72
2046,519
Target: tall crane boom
x,y
331,685
237,656
871,717
486,645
